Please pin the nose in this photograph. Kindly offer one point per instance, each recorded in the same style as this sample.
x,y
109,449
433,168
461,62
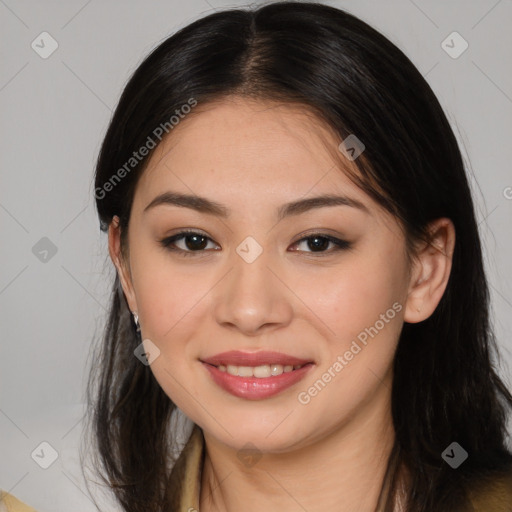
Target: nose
x,y
252,298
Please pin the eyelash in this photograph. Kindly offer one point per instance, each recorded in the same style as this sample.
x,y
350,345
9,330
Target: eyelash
x,y
167,243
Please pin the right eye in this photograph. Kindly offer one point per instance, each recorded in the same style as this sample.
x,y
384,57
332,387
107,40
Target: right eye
x,y
193,241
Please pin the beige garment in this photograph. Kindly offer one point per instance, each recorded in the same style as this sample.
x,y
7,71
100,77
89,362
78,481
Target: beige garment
x,y
9,503
186,474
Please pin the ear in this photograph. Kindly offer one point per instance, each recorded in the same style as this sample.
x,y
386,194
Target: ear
x,y
114,248
431,271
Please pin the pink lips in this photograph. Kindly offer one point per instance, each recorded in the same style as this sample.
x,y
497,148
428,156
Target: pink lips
x,y
254,388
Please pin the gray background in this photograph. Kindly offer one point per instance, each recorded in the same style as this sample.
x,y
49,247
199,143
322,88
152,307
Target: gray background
x,y
54,115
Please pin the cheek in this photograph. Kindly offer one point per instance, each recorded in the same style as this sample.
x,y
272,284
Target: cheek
x,y
168,293
172,306
352,297
361,302
365,316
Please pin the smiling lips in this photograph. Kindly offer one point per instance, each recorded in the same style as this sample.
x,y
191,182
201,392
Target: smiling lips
x,y
256,375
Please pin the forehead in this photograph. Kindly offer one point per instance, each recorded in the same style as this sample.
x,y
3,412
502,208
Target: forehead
x,y
243,150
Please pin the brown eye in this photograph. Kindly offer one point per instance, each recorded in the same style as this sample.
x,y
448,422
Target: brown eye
x,y
320,242
191,241
195,242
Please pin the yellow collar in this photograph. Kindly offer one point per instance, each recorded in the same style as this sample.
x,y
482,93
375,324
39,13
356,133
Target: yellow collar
x,y
9,503
185,481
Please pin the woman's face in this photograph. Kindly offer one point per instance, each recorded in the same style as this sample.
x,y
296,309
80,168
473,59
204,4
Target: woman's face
x,y
256,282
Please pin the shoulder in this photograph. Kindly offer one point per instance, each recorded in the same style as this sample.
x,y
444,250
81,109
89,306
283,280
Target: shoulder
x,y
492,494
9,503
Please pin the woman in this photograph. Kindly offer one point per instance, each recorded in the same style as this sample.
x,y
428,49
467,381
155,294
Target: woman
x,y
299,276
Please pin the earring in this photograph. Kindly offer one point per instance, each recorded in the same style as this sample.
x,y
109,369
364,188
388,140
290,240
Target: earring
x,y
136,320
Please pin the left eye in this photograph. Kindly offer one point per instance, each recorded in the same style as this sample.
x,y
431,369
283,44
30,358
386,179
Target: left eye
x,y
197,242
319,242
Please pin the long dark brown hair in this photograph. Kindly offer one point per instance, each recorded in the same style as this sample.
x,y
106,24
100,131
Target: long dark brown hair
x,y
446,387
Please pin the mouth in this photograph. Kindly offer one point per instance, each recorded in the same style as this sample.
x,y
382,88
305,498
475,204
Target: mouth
x,y
256,375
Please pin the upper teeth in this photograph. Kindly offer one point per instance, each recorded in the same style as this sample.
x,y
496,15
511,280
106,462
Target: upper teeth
x,y
265,370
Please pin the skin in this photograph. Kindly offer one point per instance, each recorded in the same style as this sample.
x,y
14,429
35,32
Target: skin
x,y
253,157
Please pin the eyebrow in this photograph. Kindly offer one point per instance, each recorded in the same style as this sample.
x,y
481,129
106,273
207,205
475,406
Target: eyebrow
x,y
203,205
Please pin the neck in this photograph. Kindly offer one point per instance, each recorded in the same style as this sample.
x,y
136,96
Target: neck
x,y
344,471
